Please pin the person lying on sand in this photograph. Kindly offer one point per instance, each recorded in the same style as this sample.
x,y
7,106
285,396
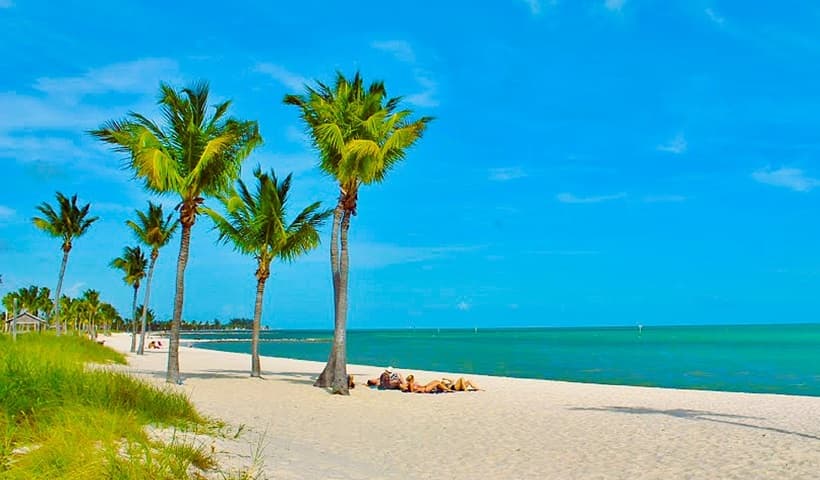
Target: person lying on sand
x,y
435,386
388,380
460,385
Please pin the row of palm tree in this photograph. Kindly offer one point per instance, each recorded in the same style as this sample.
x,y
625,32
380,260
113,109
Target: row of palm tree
x,y
33,299
195,153
84,312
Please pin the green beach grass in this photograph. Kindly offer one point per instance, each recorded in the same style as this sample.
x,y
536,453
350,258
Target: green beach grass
x,y
62,419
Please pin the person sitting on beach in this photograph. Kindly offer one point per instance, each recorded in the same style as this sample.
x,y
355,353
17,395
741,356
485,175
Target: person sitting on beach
x,y
460,385
388,380
436,386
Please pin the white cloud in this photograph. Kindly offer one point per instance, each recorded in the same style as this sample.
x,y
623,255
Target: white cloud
x,y
25,112
713,16
570,198
403,52
664,198
293,81
400,49
677,145
112,207
296,135
426,98
138,76
614,5
291,162
59,102
791,178
463,306
6,212
564,253
535,6
504,174
376,255
74,290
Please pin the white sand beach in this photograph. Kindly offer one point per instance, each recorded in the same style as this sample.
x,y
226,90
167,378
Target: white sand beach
x,y
514,429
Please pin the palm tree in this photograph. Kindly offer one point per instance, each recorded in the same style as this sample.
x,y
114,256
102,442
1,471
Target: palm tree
x,y
192,155
148,315
108,316
256,225
69,223
360,135
91,302
154,230
132,263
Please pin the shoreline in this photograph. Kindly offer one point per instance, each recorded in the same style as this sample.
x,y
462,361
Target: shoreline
x,y
196,344
514,428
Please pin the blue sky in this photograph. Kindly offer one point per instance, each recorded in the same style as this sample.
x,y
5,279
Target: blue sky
x,y
603,162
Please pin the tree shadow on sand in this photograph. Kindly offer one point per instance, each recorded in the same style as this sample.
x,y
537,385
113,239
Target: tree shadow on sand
x,y
698,415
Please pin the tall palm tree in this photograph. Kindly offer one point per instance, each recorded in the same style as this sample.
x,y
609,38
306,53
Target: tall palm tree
x,y
360,135
68,223
256,225
154,230
191,155
132,263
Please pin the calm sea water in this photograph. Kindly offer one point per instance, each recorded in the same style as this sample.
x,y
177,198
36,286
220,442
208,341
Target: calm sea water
x,y
754,358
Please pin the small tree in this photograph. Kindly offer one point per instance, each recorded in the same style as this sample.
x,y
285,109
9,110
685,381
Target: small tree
x,y
68,223
132,263
154,230
256,224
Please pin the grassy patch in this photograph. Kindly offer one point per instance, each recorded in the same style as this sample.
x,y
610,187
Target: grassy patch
x,y
59,419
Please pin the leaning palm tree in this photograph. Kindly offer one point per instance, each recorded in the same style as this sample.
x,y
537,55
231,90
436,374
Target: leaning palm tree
x,y
154,230
360,135
69,222
191,155
132,263
256,225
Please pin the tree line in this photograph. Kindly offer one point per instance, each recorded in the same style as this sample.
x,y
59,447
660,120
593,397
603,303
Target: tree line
x,y
195,152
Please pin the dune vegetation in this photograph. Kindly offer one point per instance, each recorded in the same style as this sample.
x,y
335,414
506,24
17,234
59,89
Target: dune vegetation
x,y
64,414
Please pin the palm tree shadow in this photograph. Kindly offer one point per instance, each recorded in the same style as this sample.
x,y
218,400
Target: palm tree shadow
x,y
698,415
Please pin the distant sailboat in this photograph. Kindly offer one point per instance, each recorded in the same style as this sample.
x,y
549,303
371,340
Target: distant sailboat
x,y
640,329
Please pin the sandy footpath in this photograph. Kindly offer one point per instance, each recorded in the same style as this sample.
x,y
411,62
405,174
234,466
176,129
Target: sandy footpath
x,y
514,429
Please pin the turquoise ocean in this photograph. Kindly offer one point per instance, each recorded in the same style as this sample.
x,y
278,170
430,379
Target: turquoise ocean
x,y
742,358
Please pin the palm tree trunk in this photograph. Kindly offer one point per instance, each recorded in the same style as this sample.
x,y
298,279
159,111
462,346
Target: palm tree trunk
x,y
339,383
134,319
57,294
144,315
256,369
326,377
172,375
